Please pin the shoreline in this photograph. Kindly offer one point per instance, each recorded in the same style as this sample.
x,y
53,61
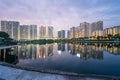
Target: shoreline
x,y
62,41
55,72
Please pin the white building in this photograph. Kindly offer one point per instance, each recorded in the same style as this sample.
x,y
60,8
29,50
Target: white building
x,y
10,27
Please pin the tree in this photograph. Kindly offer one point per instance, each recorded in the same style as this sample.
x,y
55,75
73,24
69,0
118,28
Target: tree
x,y
6,37
117,36
110,36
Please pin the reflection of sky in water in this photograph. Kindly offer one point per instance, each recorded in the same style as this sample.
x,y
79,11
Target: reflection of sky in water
x,y
88,59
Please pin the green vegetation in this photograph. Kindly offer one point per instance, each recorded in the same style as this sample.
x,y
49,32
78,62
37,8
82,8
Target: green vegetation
x,y
92,39
5,39
108,38
42,41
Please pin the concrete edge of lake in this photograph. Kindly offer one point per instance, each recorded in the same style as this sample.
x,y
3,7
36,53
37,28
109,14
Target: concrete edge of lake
x,y
56,72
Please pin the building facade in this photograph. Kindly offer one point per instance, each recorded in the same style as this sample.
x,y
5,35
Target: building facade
x,y
33,32
112,31
97,28
84,29
61,34
50,32
72,32
24,32
68,34
42,32
77,32
10,27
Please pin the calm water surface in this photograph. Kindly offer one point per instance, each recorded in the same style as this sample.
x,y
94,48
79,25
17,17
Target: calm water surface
x,y
101,59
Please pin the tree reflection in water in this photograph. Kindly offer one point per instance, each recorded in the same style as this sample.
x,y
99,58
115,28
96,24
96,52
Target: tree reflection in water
x,y
9,55
82,50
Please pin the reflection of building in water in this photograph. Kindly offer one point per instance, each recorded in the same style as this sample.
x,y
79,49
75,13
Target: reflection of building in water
x,y
97,51
97,47
73,49
23,52
61,47
68,47
33,51
114,50
97,54
85,51
27,51
9,55
42,51
50,50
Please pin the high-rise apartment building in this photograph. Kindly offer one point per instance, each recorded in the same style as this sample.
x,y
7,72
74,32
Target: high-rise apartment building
x,y
112,31
42,32
72,32
84,29
116,30
50,32
97,28
61,34
33,32
105,32
24,32
68,34
10,27
77,32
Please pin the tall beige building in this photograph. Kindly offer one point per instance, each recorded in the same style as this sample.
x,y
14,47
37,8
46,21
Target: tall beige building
x,y
84,29
116,30
72,32
42,32
77,32
24,32
112,31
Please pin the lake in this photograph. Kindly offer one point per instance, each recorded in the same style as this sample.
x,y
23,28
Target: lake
x,y
94,58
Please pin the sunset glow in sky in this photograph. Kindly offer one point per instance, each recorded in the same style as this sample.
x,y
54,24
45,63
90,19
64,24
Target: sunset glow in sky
x,y
61,14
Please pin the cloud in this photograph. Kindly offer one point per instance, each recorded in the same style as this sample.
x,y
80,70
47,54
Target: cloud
x,y
62,14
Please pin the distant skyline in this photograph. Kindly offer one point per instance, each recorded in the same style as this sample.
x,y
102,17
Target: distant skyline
x,y
61,14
